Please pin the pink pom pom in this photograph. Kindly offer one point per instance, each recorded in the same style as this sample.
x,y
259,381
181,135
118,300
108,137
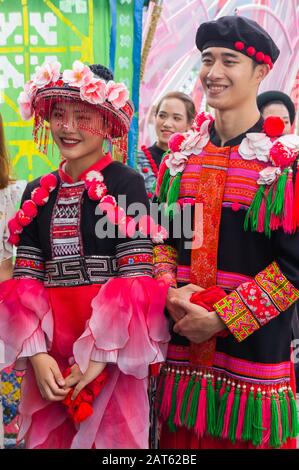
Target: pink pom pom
x,y
14,239
14,226
250,51
29,208
175,142
260,56
40,196
48,182
116,215
146,224
109,200
128,226
239,45
159,234
23,219
96,191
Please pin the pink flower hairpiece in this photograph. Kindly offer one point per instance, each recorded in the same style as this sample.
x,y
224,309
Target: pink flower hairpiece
x,y
93,89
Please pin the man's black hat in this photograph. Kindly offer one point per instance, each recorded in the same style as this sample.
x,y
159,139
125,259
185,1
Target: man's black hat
x,y
275,96
240,34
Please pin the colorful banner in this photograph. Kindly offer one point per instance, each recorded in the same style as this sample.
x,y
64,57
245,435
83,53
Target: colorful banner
x,y
34,30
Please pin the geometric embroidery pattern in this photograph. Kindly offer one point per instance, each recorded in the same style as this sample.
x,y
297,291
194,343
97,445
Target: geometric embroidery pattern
x,y
165,264
258,302
282,293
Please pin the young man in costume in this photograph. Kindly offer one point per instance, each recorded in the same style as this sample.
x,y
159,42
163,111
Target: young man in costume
x,y
228,380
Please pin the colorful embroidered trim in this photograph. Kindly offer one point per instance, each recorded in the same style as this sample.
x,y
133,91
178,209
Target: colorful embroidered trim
x,y
29,263
135,258
165,264
237,317
282,293
258,302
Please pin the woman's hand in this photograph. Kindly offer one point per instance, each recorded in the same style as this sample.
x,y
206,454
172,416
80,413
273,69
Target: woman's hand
x,y
94,369
74,377
49,379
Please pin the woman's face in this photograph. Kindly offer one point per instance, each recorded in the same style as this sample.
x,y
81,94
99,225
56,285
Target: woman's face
x,y
171,118
74,142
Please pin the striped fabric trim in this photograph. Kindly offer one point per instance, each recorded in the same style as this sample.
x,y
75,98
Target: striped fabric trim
x,y
29,263
240,368
225,279
135,258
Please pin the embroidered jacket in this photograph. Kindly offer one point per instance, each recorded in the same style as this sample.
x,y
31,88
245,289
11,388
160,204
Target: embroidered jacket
x,y
261,278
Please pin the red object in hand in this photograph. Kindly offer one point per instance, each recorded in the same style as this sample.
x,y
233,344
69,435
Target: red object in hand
x,y
207,298
81,408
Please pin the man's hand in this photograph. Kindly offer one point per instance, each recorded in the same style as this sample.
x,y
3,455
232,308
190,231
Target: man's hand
x,y
176,296
198,325
49,379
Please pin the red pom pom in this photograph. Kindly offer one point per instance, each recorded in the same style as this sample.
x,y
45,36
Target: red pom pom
x,y
29,208
127,226
14,226
83,411
260,56
267,59
144,170
282,156
146,224
14,239
200,119
239,45
40,196
175,142
48,182
236,206
273,126
250,51
23,219
149,195
97,191
109,200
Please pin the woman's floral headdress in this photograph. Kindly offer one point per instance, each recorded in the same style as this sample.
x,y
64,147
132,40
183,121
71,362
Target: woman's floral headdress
x,y
91,86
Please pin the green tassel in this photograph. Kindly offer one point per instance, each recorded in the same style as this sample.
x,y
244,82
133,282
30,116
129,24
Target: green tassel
x,y
171,425
274,432
211,408
222,408
284,416
252,214
234,416
257,435
172,195
294,415
217,394
191,418
277,206
268,213
185,401
164,186
248,418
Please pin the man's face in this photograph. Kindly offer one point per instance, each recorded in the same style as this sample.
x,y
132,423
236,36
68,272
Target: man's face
x,y
228,78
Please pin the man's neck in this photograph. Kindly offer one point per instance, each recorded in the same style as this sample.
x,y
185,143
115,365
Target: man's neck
x,y
231,123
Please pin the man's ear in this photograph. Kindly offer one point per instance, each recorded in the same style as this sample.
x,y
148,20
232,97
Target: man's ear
x,y
262,71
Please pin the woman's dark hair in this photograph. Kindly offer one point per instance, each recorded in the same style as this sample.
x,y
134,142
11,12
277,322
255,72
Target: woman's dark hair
x,y
188,102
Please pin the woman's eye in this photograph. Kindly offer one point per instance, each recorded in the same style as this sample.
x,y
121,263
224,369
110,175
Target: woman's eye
x,y
57,114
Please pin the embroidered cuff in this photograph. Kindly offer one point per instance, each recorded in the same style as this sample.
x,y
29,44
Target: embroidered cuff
x,y
29,263
135,258
165,264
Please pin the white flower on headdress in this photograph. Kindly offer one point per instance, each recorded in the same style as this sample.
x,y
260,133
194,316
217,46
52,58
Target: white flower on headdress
x,y
268,175
94,91
79,75
255,145
47,73
30,88
25,105
195,141
176,163
117,94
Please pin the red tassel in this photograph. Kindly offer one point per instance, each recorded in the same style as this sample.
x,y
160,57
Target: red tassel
x,y
167,395
200,424
275,222
180,395
229,405
262,216
241,414
266,410
287,221
296,201
161,173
